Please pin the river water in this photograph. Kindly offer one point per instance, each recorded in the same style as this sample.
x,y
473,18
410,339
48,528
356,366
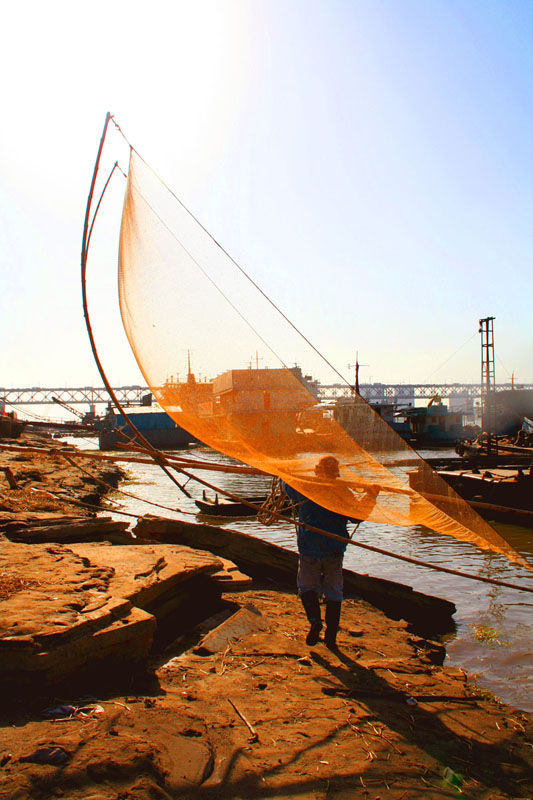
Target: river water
x,y
494,636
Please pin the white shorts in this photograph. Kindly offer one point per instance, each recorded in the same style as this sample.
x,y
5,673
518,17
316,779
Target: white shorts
x,y
321,575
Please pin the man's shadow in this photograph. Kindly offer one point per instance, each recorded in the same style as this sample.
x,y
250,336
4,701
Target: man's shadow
x,y
421,727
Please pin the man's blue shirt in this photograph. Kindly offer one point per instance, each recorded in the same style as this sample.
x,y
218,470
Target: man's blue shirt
x,y
314,544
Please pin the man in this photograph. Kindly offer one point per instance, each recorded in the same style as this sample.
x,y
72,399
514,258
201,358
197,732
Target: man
x,y
321,557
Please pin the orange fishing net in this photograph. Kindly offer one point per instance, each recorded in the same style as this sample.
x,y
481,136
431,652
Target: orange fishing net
x,y
182,296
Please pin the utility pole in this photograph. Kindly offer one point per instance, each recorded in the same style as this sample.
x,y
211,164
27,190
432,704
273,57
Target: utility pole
x,y
258,358
357,365
488,381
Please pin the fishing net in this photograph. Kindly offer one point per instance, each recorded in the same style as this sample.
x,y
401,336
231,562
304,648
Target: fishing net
x,y
229,368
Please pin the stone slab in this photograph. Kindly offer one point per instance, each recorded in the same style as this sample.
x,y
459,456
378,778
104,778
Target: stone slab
x,y
142,573
66,532
127,639
245,621
63,607
58,593
229,578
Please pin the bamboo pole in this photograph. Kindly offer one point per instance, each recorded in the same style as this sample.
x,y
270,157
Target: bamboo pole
x,y
282,518
94,455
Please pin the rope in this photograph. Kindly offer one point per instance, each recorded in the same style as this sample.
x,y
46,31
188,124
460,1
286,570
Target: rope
x,y
121,491
372,548
98,204
71,502
34,416
98,456
275,515
274,503
449,358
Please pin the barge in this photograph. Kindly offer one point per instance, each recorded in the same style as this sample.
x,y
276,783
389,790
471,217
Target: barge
x,y
157,427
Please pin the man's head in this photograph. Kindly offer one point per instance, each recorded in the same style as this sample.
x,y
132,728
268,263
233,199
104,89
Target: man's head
x,y
327,467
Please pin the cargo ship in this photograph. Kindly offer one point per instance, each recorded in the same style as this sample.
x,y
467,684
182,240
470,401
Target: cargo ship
x,y
157,427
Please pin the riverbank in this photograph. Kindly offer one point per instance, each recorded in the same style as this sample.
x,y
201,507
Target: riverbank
x,y
494,625
259,714
50,484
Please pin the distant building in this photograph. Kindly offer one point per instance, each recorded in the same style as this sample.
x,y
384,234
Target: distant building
x,y
463,403
504,412
261,404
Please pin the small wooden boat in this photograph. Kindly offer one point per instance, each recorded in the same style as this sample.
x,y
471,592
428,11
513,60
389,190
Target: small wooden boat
x,y
229,508
233,508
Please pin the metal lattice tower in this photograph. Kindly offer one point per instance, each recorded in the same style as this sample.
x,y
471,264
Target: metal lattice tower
x,y
486,330
488,381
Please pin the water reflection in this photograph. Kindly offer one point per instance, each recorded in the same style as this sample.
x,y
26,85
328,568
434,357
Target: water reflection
x,y
506,668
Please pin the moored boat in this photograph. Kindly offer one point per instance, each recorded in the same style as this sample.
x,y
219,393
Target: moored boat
x,y
10,426
434,426
157,427
229,508
501,494
232,508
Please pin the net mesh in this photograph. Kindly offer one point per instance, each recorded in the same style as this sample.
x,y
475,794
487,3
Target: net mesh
x,y
183,300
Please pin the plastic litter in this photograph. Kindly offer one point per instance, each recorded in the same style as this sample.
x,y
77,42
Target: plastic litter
x,y
67,711
47,755
59,711
453,778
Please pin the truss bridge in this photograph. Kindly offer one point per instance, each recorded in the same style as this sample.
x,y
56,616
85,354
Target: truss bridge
x,y
401,394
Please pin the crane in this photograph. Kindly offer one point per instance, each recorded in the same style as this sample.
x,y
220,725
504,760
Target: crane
x,y
69,408
87,419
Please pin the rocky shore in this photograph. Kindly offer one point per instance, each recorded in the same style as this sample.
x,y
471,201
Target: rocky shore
x,y
156,670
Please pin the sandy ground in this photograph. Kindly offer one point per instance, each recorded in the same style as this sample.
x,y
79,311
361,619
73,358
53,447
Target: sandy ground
x,y
265,716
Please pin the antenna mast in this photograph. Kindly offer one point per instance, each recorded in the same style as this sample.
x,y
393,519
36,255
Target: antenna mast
x,y
356,365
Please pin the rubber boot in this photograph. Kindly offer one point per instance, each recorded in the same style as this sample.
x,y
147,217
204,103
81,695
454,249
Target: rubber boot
x,y
333,615
312,609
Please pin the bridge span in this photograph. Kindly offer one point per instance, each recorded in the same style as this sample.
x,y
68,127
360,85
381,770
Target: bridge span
x,y
397,394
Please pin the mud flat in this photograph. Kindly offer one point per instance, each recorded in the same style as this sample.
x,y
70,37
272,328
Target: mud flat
x,y
227,700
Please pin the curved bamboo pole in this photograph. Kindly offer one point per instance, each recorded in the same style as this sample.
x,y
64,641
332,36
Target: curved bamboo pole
x,y
155,454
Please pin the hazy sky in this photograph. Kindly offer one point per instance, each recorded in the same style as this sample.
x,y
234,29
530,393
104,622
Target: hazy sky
x,y
369,163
